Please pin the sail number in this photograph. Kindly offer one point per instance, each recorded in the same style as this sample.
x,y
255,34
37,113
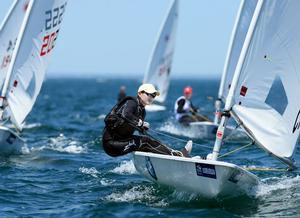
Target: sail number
x,y
6,60
54,16
48,43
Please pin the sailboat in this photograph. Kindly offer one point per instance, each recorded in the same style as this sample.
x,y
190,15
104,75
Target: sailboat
x,y
28,36
207,129
159,66
269,56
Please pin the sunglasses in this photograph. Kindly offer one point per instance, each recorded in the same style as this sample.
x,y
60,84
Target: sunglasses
x,y
149,94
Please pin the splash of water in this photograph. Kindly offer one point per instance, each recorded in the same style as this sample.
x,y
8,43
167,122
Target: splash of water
x,y
126,167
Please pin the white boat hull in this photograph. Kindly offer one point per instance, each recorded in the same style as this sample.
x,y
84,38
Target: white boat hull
x,y
207,178
10,142
208,130
155,107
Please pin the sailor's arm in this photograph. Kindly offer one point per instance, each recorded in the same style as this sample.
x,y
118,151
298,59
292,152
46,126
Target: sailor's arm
x,y
128,112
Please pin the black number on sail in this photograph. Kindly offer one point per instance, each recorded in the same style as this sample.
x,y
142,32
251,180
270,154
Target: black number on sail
x,y
297,123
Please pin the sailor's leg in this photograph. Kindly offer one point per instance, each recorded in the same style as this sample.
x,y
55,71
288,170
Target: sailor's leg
x,y
150,145
120,147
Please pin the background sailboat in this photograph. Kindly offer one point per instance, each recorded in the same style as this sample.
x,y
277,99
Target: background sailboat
x,y
159,66
238,35
34,42
207,129
9,31
269,56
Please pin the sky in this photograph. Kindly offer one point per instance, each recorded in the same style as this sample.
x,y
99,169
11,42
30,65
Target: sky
x,y
115,38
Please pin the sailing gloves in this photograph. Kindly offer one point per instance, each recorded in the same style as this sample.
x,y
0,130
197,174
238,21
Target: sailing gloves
x,y
144,125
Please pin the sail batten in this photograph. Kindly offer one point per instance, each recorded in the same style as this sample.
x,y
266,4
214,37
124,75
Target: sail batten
x,y
273,54
159,65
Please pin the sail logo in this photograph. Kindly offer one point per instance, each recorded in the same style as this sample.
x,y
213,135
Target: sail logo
x,y
206,170
297,123
150,168
7,58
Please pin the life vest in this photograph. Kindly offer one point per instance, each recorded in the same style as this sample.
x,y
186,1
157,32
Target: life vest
x,y
186,108
114,118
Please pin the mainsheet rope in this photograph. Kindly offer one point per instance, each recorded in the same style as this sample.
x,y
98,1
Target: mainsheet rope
x,y
176,138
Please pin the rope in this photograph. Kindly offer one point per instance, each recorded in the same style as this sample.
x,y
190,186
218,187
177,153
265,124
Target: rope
x,y
179,139
264,169
240,148
231,133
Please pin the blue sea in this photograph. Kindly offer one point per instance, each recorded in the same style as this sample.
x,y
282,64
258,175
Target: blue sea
x,y
64,172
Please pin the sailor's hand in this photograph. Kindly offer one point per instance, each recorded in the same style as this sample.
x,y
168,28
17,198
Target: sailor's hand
x,y
146,125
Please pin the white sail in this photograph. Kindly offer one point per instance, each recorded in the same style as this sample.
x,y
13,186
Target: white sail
x,y
238,35
271,68
9,31
30,59
159,67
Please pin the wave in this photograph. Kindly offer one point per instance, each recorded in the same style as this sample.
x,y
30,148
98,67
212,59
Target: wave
x,y
96,174
134,194
126,167
62,144
31,125
101,117
273,184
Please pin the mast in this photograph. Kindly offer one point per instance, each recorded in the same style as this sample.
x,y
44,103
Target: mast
x,y
229,99
8,14
13,59
218,102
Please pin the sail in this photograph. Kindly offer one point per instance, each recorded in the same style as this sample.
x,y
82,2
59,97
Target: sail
x,y
30,59
9,31
159,67
238,35
271,69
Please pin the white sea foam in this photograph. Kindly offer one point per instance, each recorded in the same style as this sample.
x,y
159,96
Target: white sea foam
x,y
63,144
125,167
101,117
74,149
90,171
132,195
96,174
25,149
31,125
276,184
106,182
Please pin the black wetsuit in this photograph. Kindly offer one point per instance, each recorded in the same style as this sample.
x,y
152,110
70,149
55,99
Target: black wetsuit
x,y
121,140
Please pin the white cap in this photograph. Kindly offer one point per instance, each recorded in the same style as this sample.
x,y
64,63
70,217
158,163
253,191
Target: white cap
x,y
149,88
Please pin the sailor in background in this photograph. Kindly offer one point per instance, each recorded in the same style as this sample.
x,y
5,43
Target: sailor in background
x,y
127,116
185,112
122,93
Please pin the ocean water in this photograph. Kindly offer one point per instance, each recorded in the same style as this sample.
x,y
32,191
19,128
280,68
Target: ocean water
x,y
65,172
